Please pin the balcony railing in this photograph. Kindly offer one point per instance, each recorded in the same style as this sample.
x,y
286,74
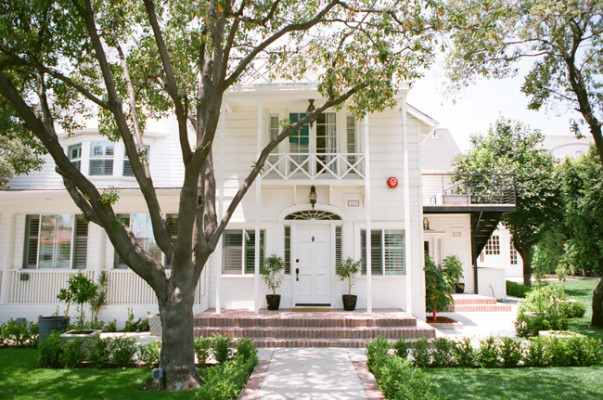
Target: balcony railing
x,y
313,166
460,189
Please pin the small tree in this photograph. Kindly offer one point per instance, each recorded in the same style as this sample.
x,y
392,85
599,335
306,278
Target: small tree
x,y
271,270
100,296
80,290
348,270
438,290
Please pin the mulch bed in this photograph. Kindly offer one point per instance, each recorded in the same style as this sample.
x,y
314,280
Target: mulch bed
x,y
441,320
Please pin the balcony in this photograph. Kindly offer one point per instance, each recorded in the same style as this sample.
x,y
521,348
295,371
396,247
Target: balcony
x,y
314,166
469,190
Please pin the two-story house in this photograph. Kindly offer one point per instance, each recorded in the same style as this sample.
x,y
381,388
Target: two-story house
x,y
340,187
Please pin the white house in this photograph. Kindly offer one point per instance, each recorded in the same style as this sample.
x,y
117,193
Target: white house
x,y
347,163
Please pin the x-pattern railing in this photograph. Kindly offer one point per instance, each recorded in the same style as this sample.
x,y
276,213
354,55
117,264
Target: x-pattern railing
x,y
311,166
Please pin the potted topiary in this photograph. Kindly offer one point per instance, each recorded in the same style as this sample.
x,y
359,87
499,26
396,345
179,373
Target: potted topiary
x,y
271,270
348,270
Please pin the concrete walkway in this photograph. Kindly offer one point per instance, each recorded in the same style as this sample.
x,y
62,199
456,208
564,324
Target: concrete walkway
x,y
312,374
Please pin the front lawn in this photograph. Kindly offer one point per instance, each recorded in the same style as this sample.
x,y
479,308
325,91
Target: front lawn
x,y
517,383
582,290
20,378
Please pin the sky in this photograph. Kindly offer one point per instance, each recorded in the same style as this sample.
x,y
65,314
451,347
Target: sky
x,y
473,109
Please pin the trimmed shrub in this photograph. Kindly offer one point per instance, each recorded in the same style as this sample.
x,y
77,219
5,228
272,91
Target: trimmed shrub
x,y
510,352
420,352
529,324
574,309
140,325
73,353
488,355
150,354
222,347
225,381
442,354
402,347
122,350
100,352
574,351
398,379
202,348
376,352
464,354
536,354
246,349
517,289
50,351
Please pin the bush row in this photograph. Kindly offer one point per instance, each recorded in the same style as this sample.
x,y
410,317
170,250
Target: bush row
x,y
55,352
18,334
517,289
497,352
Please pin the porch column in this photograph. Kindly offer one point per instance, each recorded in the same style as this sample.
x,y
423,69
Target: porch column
x,y
367,205
258,200
407,228
9,223
217,255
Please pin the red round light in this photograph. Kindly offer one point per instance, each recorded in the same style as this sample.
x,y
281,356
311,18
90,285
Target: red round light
x,y
392,182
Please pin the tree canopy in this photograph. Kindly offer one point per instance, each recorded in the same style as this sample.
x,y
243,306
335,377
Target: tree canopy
x,y
64,63
562,40
513,148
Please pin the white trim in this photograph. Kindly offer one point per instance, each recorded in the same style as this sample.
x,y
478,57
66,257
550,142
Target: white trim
x,y
407,236
303,207
367,205
258,202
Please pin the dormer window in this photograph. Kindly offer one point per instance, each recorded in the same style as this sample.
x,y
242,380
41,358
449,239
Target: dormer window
x,y
74,153
101,158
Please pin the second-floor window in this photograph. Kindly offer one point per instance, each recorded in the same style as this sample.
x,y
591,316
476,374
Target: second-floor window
x,y
128,167
101,158
74,153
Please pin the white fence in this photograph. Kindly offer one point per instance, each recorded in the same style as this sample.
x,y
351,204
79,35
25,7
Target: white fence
x,y
312,166
42,287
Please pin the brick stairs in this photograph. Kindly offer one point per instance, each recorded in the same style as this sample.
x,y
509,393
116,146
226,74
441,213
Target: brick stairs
x,y
477,303
312,329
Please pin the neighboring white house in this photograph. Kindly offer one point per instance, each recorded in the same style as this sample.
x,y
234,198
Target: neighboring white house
x,y
499,252
348,163
461,212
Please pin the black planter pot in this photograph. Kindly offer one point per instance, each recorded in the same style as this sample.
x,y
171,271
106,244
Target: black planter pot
x,y
349,301
51,324
273,300
460,287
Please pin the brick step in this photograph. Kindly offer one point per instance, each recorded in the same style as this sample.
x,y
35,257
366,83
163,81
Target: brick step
x,y
313,322
466,299
314,333
482,308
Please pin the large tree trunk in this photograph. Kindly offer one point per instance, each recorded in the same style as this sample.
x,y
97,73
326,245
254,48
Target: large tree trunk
x,y
597,319
177,350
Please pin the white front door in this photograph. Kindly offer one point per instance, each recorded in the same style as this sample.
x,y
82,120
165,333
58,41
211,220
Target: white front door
x,y
313,262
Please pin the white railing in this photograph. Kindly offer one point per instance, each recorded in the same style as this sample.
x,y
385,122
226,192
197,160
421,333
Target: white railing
x,y
38,286
42,287
311,166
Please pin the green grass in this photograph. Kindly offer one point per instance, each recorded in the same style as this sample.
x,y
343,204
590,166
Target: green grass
x,y
20,378
582,290
520,383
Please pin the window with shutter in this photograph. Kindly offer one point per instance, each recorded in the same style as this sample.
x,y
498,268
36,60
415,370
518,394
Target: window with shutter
x,y
338,245
74,153
239,251
287,250
80,246
32,228
127,171
387,252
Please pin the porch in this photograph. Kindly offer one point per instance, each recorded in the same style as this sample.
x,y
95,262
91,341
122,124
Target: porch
x,y
334,328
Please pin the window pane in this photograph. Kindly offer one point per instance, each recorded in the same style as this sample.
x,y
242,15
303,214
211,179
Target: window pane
x,y
32,227
55,241
250,250
376,252
141,226
287,250
232,258
101,158
394,252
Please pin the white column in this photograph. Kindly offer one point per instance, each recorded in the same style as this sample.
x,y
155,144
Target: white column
x,y
217,259
9,251
258,200
407,235
367,205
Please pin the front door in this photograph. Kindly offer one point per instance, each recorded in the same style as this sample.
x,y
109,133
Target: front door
x,y
313,261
